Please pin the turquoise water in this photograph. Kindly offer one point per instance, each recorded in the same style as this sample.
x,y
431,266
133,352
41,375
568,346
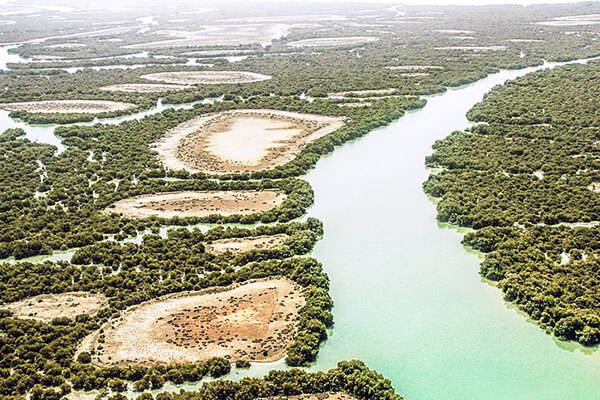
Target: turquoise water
x,y
409,300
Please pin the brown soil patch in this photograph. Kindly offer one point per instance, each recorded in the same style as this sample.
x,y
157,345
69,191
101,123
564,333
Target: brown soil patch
x,y
240,245
206,77
67,106
241,140
198,204
142,87
317,396
46,307
254,321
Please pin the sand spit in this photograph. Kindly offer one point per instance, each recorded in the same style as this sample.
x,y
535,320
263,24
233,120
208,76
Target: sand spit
x,y
67,106
46,307
318,396
198,204
243,244
255,321
241,140
333,41
206,77
142,87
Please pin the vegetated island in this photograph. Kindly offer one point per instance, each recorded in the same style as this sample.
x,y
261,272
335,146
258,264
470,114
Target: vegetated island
x,y
525,176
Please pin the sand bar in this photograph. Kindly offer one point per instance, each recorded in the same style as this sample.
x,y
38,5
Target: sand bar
x,y
198,204
142,87
240,245
241,140
68,106
254,321
206,77
46,307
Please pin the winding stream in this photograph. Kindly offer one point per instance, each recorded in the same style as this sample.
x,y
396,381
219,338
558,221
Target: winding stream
x,y
409,300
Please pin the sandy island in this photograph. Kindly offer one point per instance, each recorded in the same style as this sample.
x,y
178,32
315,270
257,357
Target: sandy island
x,y
241,140
67,106
142,87
242,244
198,204
46,307
254,321
206,77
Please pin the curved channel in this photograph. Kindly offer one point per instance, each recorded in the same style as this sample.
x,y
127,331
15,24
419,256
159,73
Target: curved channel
x,y
408,297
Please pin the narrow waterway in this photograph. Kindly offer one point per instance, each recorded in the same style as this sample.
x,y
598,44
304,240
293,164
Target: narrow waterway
x,y
409,300
408,297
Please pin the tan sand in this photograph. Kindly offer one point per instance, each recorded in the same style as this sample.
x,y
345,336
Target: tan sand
x,y
333,41
255,321
241,140
206,77
198,204
67,106
243,244
142,87
46,307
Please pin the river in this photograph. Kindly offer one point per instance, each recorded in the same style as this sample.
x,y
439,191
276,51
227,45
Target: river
x,y
408,297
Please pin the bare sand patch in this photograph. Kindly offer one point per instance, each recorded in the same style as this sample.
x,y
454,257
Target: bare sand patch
x,y
316,396
254,321
332,41
243,244
142,87
594,187
198,204
241,140
68,106
206,77
46,307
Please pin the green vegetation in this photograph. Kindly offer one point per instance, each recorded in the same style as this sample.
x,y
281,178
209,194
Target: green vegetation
x,y
129,274
524,177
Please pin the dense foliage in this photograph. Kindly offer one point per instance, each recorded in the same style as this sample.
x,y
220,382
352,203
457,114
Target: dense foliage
x,y
525,177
